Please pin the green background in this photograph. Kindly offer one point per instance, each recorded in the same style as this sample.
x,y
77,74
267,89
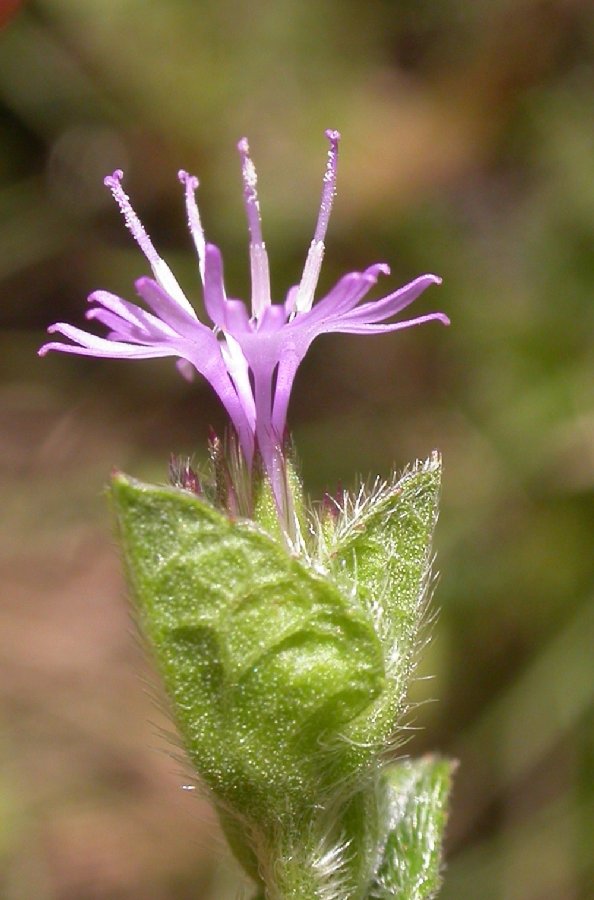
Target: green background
x,y
468,150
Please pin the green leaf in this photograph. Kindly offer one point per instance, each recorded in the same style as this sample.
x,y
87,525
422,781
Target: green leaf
x,y
263,658
382,553
418,793
295,516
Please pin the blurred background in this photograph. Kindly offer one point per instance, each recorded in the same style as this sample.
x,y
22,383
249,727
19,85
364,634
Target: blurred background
x,y
468,150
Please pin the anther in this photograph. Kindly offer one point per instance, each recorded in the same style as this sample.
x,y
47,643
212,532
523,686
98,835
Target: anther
x,y
133,223
313,263
161,270
260,270
190,183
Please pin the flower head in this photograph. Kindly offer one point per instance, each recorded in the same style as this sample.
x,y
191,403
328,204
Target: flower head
x,y
250,358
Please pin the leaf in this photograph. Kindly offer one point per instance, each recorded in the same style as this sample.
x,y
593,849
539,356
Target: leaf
x,y
382,550
263,657
418,793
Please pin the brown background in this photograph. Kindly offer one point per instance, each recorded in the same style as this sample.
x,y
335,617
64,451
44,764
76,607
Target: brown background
x,y
468,149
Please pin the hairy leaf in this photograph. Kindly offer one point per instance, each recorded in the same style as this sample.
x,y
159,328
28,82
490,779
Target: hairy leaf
x,y
382,553
263,658
418,793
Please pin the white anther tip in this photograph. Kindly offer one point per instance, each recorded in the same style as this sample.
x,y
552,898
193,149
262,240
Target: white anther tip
x,y
190,181
113,180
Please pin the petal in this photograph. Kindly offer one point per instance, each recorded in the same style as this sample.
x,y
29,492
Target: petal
x,y
201,350
268,440
131,313
273,318
345,326
120,330
212,366
387,307
214,286
285,375
238,369
166,308
236,317
87,344
346,293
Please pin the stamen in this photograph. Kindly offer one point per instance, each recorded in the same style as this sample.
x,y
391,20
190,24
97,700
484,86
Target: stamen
x,y
329,188
161,270
195,225
313,263
260,269
250,192
133,223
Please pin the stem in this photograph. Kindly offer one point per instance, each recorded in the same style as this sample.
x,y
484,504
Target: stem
x,y
335,854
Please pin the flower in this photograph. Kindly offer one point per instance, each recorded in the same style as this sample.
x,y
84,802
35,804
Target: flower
x,y
249,360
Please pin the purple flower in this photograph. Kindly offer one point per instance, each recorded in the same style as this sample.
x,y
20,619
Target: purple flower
x,y
249,360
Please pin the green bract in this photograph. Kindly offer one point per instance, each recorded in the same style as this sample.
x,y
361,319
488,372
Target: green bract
x,y
417,792
287,671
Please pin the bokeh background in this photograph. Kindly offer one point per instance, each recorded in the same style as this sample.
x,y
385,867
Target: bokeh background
x,y
468,149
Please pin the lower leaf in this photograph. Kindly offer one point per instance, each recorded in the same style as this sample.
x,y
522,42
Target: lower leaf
x,y
418,792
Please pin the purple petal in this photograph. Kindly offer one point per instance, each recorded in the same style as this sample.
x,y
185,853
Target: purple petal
x,y
273,318
346,293
166,308
389,306
345,326
266,436
131,313
285,375
120,330
307,326
201,349
236,316
238,369
214,286
210,363
136,352
86,344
